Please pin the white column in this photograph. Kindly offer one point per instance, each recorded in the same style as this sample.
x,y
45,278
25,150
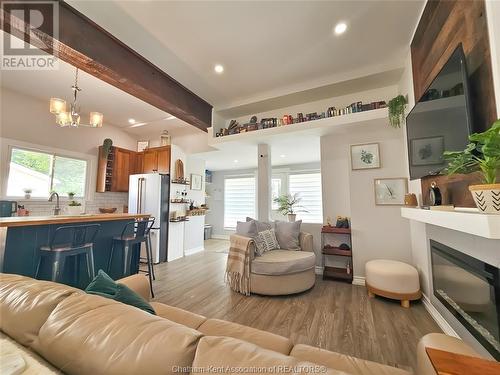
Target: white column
x,y
264,173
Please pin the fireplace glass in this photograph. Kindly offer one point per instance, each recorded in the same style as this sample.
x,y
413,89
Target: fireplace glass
x,y
470,290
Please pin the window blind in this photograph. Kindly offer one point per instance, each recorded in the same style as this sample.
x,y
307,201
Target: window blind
x,y
239,200
308,187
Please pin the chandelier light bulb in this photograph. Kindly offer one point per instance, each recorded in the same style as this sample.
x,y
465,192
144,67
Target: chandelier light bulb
x,y
96,119
57,106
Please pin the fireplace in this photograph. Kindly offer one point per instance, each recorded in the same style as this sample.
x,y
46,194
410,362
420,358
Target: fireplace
x,y
470,290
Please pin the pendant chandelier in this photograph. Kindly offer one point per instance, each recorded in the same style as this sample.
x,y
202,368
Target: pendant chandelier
x,y
72,117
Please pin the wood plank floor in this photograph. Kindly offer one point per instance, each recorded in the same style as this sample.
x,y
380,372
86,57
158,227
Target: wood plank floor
x,y
333,315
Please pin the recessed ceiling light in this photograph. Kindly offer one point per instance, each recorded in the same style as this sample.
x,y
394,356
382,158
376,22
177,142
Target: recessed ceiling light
x,y
340,28
170,117
235,160
131,121
218,68
282,156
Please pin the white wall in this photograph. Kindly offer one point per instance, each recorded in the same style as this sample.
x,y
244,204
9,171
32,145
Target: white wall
x,y
377,231
28,119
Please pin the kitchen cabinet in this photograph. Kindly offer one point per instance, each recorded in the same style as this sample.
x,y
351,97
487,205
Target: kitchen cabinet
x,y
114,169
156,159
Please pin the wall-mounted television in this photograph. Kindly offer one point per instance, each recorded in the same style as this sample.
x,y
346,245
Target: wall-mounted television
x,y
441,120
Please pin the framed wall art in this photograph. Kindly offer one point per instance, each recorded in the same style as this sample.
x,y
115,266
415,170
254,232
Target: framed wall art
x,y
390,191
196,182
365,156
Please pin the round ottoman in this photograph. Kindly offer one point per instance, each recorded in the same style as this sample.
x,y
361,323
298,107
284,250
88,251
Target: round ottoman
x,y
392,279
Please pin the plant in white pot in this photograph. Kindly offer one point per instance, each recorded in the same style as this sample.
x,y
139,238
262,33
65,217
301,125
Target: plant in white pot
x,y
74,207
288,205
481,154
27,193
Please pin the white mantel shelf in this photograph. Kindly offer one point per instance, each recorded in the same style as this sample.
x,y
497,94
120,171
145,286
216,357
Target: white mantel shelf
x,y
471,222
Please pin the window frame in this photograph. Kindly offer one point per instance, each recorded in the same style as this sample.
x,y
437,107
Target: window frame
x,y
232,177
9,145
284,175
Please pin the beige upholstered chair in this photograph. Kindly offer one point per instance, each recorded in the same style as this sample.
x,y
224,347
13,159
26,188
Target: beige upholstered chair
x,y
281,272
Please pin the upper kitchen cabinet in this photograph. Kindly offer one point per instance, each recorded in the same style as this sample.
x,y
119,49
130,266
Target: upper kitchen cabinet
x,y
156,159
114,169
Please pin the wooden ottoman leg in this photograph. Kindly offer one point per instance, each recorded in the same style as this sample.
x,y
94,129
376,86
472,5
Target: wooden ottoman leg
x,y
405,303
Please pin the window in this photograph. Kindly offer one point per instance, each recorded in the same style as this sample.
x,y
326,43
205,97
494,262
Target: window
x,y
45,172
239,200
275,191
308,187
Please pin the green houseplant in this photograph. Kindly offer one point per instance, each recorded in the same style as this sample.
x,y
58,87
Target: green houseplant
x,y
288,204
74,207
481,154
396,108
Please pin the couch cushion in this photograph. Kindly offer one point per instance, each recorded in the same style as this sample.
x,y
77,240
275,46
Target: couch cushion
x,y
282,262
246,228
342,362
232,356
88,334
288,234
104,286
25,305
266,241
177,315
261,225
267,340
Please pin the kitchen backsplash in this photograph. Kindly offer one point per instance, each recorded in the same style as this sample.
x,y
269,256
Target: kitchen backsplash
x,y
107,200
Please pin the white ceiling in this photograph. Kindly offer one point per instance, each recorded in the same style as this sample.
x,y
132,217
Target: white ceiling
x,y
268,48
96,95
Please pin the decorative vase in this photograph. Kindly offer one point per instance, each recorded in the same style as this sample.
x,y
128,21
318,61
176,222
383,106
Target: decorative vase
x,y
291,217
74,210
27,195
487,198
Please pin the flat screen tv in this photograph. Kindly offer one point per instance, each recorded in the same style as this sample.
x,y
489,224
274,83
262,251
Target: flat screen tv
x,y
440,120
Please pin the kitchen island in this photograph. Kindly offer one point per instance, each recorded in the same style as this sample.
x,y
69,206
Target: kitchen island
x,y
22,237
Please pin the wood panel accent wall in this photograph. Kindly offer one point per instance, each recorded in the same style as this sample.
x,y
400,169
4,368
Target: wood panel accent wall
x,y
443,26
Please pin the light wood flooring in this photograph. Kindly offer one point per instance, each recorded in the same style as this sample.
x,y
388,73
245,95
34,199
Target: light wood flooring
x,y
333,315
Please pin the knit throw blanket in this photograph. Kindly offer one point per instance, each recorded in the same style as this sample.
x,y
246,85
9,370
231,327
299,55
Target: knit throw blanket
x,y
238,264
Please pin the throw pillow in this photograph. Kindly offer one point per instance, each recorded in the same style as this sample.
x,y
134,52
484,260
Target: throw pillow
x,y
246,228
261,225
105,286
266,241
288,234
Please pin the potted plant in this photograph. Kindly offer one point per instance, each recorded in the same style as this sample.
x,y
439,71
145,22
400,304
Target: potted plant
x,y
396,108
481,154
74,207
27,193
288,204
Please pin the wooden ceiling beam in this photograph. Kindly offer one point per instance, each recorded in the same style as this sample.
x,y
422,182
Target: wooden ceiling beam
x,y
87,46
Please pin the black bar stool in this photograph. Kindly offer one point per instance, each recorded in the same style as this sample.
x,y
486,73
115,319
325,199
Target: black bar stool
x,y
140,234
70,241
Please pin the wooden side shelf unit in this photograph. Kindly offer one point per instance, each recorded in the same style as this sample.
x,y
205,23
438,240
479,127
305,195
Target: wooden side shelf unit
x,y
338,236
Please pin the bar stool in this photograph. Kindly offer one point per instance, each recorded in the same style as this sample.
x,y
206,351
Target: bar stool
x,y
140,234
70,241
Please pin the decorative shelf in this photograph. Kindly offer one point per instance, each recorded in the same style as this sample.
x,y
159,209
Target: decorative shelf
x,y
178,220
319,127
464,220
177,202
337,273
336,251
327,229
180,182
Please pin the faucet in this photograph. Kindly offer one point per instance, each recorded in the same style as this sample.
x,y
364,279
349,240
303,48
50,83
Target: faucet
x,y
57,209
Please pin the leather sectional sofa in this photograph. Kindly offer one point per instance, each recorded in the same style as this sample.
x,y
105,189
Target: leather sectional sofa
x,y
64,329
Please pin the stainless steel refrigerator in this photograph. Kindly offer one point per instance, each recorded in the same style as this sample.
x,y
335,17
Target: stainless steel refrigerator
x,y
149,194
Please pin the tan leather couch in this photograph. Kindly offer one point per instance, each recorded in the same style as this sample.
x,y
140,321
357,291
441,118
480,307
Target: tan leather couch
x,y
282,272
87,334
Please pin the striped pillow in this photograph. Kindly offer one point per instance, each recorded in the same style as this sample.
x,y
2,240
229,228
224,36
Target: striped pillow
x,y
266,241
